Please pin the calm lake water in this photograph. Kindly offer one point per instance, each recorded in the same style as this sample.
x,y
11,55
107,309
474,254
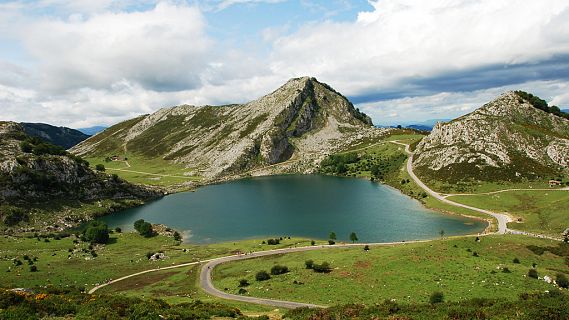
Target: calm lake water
x,y
308,206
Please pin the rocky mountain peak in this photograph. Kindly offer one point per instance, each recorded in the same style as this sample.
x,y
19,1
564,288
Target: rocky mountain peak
x,y
506,139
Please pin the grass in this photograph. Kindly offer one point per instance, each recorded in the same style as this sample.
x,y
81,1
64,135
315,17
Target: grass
x,y
407,273
156,172
539,211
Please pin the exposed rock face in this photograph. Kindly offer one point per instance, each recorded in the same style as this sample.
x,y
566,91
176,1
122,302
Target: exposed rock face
x,y
505,139
302,120
32,180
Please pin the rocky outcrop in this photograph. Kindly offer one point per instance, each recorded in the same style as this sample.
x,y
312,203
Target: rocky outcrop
x,y
302,120
41,178
506,139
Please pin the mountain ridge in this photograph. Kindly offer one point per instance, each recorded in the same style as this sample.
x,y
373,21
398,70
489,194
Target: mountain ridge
x,y
61,136
303,119
506,139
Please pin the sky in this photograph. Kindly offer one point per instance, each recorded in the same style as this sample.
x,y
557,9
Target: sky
x,y
81,63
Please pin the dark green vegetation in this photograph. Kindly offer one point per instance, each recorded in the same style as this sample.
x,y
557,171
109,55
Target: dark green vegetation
x,y
96,232
60,136
553,305
145,228
36,172
70,302
541,104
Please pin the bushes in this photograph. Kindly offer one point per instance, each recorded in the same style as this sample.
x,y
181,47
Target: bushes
x,y
262,276
516,260
532,273
144,228
243,283
278,269
436,297
273,242
96,232
562,281
309,264
324,267
100,167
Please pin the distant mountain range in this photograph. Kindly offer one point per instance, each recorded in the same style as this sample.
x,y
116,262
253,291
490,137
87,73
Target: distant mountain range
x,y
92,130
60,136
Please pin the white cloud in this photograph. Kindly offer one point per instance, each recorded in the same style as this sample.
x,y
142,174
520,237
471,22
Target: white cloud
x,y
402,40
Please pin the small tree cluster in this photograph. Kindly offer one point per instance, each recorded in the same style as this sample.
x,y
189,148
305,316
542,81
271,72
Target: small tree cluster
x,y
262,276
96,232
324,267
144,228
273,242
278,269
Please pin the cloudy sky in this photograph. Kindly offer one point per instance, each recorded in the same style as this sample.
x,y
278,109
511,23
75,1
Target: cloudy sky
x,y
80,63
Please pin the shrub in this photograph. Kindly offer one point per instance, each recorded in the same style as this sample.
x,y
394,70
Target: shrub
x,y
532,273
243,283
278,269
242,291
312,242
100,167
144,228
177,236
262,276
331,242
273,242
96,232
506,270
118,230
436,297
562,281
324,267
309,264
366,248
516,260
33,269
475,254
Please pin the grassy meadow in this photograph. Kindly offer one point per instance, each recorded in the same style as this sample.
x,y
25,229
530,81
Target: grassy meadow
x,y
461,268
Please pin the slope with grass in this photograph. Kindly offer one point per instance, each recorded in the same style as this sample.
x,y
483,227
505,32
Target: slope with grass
x,y
507,140
44,188
461,268
303,119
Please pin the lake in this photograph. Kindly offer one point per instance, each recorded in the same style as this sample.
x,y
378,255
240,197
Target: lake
x,y
308,206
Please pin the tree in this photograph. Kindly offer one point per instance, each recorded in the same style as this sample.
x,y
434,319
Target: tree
x,y
437,297
309,264
324,267
562,281
332,236
100,167
243,283
177,236
442,233
262,276
144,228
278,269
353,237
366,248
96,232
532,273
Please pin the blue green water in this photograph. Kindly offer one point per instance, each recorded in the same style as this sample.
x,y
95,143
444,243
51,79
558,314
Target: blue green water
x,y
301,205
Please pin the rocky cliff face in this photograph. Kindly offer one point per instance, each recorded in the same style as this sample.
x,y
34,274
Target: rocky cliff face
x,y
506,139
302,120
39,175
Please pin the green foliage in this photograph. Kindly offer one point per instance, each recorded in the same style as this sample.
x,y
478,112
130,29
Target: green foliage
x,y
332,236
71,303
532,273
278,269
243,283
100,167
353,237
12,216
144,228
528,307
177,236
562,280
541,104
96,232
436,297
262,276
323,267
273,242
309,264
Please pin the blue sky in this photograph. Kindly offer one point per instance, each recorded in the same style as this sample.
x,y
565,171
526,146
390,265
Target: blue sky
x,y
90,62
